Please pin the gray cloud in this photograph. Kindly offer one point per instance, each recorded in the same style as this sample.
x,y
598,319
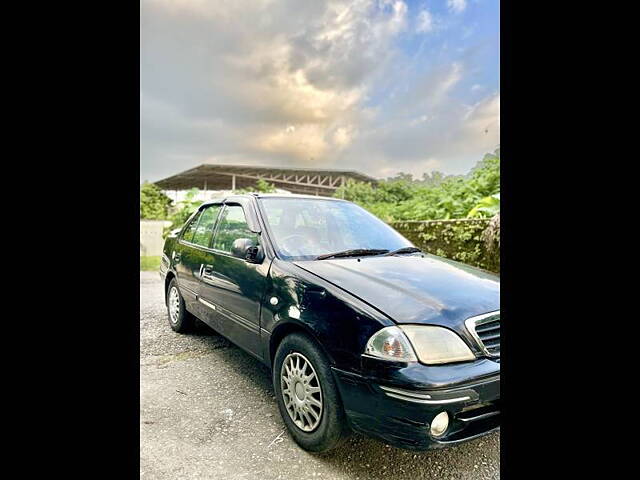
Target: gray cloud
x,y
290,83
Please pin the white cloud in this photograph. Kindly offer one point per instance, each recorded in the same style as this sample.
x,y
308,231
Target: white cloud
x,y
484,116
424,22
429,128
457,6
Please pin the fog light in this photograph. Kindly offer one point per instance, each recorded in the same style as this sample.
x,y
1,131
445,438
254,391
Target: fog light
x,y
439,424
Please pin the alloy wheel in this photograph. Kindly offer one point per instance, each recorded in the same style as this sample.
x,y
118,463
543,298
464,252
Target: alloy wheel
x,y
174,305
301,391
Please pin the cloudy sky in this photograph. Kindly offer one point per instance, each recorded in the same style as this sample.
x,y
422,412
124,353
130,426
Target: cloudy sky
x,y
380,86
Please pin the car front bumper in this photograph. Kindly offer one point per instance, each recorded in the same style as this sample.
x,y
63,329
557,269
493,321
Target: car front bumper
x,y
396,408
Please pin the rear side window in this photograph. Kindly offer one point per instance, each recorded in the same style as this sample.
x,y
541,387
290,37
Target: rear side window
x,y
204,230
187,235
233,225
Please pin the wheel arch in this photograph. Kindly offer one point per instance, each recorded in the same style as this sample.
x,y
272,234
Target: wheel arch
x,y
167,280
287,328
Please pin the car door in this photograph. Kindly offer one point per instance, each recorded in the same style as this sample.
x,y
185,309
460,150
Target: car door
x,y
200,254
233,287
193,252
180,258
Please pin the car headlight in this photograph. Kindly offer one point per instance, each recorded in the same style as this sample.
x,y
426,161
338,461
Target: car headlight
x,y
435,345
390,343
409,343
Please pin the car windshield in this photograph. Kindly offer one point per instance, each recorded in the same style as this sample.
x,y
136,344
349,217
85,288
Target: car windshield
x,y
304,229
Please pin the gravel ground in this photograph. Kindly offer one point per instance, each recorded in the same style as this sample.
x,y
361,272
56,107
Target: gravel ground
x,y
207,410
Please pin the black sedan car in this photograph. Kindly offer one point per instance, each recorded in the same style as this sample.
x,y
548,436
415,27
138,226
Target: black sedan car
x,y
361,330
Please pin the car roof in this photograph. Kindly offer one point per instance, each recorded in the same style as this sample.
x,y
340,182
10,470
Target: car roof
x,y
268,195
294,195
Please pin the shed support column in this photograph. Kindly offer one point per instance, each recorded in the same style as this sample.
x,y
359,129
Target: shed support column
x,y
233,183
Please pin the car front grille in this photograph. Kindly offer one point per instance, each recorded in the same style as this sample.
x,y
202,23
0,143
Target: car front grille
x,y
486,330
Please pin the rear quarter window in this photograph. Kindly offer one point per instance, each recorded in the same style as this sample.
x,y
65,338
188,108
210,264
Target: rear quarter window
x,y
187,234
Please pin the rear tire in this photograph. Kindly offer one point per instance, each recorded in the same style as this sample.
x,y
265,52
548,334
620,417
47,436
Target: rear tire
x,y
180,320
311,406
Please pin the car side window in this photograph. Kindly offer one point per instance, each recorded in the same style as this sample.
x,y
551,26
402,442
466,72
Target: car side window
x,y
233,225
187,235
204,230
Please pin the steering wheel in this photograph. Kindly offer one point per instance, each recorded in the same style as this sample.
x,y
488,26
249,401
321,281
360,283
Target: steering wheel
x,y
296,248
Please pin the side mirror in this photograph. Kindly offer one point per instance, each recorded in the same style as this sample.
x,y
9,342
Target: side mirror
x,y
254,255
239,247
244,248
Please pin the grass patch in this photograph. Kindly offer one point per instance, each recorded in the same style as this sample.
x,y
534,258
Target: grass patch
x,y
150,263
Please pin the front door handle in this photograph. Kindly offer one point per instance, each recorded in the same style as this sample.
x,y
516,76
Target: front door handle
x,y
176,257
207,269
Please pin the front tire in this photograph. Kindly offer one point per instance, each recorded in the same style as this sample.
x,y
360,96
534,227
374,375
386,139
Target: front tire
x,y
307,395
180,320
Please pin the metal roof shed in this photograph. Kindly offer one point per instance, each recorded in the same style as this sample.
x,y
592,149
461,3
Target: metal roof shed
x,y
231,177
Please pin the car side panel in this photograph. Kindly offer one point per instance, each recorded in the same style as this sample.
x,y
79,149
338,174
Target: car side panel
x,y
187,263
234,291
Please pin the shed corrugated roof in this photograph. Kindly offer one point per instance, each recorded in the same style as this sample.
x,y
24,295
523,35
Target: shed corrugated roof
x,y
297,180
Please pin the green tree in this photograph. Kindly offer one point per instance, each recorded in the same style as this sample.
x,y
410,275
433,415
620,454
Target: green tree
x,y
401,176
183,210
434,197
485,176
262,186
487,207
154,205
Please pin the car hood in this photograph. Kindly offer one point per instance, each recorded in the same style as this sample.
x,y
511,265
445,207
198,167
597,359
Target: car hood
x,y
414,288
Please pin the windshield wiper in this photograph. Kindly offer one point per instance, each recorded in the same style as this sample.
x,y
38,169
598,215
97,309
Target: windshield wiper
x,y
403,250
353,253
